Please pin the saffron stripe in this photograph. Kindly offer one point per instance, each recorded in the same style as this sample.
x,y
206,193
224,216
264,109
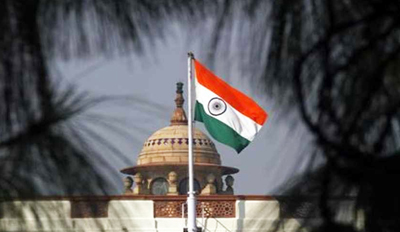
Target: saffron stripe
x,y
232,96
238,122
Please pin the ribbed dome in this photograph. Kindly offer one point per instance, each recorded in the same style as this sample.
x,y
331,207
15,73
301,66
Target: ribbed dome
x,y
166,150
169,145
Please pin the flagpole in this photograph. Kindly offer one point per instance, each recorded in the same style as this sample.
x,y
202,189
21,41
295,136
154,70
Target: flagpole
x,y
191,199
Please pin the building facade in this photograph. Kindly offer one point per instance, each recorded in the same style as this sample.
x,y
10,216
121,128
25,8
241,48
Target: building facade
x,y
154,194
162,166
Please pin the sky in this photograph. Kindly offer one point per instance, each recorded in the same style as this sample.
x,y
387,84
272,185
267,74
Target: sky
x,y
273,157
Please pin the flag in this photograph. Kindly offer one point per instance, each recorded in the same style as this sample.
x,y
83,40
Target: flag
x,y
230,116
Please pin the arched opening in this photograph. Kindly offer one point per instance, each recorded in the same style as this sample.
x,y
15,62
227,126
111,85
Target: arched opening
x,y
159,186
184,186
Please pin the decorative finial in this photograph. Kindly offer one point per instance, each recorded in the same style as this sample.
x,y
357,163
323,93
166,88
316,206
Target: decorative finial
x,y
128,182
173,187
139,188
229,183
179,115
179,87
190,54
210,188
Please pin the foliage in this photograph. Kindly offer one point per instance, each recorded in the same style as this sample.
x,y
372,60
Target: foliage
x,y
45,147
335,62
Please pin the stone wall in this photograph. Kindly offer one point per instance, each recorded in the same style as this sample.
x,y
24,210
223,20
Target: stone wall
x,y
144,213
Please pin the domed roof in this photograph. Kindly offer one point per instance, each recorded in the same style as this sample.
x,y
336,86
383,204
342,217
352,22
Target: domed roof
x,y
170,145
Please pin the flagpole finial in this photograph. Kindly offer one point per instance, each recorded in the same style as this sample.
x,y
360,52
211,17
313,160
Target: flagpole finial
x,y
190,54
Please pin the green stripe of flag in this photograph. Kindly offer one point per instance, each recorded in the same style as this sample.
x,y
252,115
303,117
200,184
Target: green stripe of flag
x,y
220,131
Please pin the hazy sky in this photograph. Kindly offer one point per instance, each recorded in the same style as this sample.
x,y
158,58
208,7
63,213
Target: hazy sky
x,y
270,159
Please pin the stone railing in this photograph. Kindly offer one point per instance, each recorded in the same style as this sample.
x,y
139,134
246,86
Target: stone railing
x,y
140,213
218,207
163,206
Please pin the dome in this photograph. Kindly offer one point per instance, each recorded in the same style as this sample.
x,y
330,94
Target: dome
x,y
170,145
165,153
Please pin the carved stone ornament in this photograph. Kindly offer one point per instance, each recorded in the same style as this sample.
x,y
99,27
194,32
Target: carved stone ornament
x,y
218,209
229,183
210,187
173,187
128,182
138,178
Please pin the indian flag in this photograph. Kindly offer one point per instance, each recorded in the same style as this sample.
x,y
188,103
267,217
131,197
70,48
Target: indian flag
x,y
230,116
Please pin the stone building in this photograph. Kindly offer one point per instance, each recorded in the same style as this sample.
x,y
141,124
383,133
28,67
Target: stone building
x,y
162,166
155,194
